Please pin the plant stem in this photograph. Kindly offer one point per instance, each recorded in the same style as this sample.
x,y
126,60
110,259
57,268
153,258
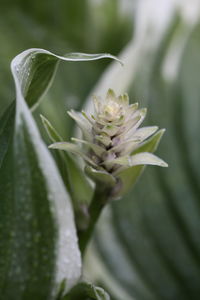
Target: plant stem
x,y
100,198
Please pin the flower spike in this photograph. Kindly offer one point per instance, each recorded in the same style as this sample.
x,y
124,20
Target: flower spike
x,y
111,138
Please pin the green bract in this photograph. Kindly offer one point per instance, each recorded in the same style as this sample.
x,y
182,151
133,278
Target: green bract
x,y
111,139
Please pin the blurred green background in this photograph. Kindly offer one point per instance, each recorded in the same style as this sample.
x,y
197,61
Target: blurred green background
x,y
146,246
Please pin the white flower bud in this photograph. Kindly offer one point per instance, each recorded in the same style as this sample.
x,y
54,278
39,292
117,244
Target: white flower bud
x,y
111,136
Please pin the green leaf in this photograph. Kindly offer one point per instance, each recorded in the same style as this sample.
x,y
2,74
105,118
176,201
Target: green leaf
x,y
50,130
84,56
33,26
72,148
87,291
74,178
33,198
100,177
151,144
144,158
6,129
34,70
38,237
145,132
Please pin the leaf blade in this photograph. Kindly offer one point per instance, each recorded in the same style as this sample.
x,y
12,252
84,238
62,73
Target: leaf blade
x,y
27,66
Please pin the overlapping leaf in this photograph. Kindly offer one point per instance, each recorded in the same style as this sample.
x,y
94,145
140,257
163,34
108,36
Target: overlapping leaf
x,y
38,246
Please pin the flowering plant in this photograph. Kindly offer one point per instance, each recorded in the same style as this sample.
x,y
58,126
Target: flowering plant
x,y
37,193
112,144
111,139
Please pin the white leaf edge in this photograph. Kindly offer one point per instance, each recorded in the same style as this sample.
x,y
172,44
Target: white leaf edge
x,y
32,52
68,264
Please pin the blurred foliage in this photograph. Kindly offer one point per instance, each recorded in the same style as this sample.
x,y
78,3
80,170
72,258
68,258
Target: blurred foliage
x,y
154,249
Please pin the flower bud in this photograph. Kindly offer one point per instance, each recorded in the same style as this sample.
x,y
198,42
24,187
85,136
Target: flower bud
x,y
110,138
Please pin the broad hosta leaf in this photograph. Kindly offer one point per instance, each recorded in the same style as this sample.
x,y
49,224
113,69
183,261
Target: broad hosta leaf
x,y
38,239
35,68
38,247
87,291
154,231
